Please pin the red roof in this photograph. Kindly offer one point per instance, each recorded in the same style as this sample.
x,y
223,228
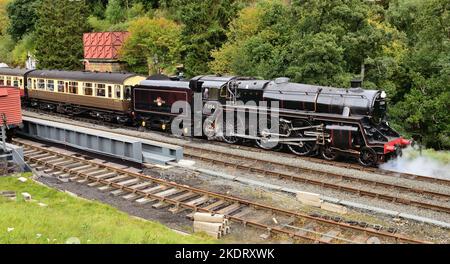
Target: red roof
x,y
103,45
10,105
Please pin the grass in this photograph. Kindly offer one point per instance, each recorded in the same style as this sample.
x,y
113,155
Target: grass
x,y
70,217
440,156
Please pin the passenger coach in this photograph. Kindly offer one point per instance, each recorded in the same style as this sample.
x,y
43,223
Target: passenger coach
x,y
14,77
101,95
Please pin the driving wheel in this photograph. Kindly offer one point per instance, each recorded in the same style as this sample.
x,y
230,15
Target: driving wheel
x,y
368,157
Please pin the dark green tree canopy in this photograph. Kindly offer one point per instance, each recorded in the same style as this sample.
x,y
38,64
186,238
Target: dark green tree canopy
x,y
59,34
22,16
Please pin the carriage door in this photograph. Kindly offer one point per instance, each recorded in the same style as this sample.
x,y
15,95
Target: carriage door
x,y
66,87
109,91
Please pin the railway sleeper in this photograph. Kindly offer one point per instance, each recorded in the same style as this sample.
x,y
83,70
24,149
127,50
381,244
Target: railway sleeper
x,y
330,236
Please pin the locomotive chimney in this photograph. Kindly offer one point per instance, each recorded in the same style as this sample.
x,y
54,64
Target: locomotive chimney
x,y
356,83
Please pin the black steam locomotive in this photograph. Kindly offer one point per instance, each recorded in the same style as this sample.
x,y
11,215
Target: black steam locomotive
x,y
310,119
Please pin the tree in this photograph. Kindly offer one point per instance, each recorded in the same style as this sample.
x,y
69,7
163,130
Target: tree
x,y
22,16
153,46
256,42
317,41
205,24
59,34
4,21
114,12
422,110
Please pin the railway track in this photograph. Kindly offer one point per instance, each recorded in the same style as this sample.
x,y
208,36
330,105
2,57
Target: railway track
x,y
297,174
255,149
162,194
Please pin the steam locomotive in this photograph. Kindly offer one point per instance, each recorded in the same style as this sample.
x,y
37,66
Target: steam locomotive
x,y
310,120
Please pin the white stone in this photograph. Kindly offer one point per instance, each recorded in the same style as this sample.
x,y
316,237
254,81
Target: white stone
x,y
23,179
10,229
42,205
26,196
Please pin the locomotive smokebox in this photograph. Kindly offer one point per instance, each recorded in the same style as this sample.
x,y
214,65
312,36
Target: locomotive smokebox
x,y
356,83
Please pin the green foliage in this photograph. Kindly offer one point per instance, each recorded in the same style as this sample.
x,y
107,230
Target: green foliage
x,y
20,52
155,42
205,24
422,108
22,16
59,34
322,42
6,47
114,12
4,20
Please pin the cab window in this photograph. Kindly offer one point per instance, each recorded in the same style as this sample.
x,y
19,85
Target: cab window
x,y
211,94
223,92
8,81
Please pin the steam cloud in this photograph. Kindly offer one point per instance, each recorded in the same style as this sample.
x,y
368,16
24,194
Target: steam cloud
x,y
413,162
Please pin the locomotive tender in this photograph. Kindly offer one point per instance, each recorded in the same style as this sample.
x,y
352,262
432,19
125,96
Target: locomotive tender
x,y
310,119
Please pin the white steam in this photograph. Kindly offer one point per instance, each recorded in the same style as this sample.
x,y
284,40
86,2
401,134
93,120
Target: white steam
x,y
415,162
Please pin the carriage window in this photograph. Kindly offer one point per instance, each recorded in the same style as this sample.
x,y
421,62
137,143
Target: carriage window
x,y
127,92
41,84
73,87
29,83
8,81
88,89
61,86
2,80
101,91
16,82
109,91
21,82
117,91
51,85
